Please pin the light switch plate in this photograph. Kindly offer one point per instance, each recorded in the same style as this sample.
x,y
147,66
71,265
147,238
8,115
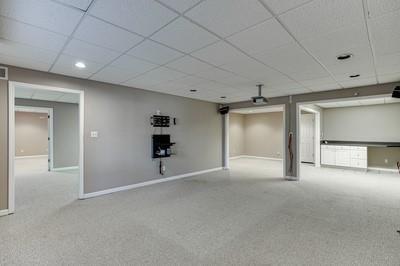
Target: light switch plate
x,y
94,134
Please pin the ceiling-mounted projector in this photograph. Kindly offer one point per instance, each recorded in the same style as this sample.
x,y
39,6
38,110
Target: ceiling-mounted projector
x,y
259,100
396,92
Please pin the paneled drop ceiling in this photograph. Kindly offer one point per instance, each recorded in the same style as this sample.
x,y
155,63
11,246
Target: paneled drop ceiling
x,y
216,47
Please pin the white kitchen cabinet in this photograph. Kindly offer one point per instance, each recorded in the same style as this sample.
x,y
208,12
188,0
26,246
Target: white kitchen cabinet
x,y
344,156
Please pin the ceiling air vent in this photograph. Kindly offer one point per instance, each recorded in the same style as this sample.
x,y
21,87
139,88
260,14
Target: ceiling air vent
x,y
3,73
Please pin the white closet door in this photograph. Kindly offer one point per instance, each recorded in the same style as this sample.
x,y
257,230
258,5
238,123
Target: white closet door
x,y
307,138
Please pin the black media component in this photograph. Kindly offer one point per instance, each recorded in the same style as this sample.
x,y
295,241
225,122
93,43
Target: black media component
x,y
161,146
224,110
160,121
396,92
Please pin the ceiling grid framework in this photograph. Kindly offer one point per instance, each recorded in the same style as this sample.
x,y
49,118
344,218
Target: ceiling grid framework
x,y
215,47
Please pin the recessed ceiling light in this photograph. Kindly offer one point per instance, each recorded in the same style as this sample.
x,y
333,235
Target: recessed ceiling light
x,y
193,90
354,76
223,97
344,56
80,65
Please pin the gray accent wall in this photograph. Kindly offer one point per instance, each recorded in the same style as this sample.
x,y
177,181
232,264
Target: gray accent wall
x,y
363,123
121,155
65,130
258,135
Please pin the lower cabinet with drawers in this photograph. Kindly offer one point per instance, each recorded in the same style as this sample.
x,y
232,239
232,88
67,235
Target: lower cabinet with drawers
x,y
344,156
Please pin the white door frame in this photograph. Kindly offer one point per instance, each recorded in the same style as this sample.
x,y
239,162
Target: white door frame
x,y
49,112
11,136
226,138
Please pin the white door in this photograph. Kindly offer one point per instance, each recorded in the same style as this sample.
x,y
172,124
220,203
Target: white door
x,y
307,138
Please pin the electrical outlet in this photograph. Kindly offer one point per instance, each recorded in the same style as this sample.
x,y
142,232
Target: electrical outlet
x,y
163,168
386,161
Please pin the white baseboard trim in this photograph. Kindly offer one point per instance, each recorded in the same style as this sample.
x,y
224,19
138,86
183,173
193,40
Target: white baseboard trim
x,y
382,169
235,157
65,168
31,156
4,213
255,157
147,183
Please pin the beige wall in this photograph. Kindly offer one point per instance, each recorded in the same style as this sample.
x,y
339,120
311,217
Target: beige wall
x,y
256,134
377,157
65,130
31,134
363,123
264,134
236,134
3,145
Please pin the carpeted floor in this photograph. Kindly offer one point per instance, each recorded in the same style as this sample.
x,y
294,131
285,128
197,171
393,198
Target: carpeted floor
x,y
246,216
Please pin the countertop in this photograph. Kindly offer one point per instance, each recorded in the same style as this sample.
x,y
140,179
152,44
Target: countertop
x,y
360,143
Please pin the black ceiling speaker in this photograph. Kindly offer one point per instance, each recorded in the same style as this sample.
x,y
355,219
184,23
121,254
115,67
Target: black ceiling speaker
x,y
223,110
396,92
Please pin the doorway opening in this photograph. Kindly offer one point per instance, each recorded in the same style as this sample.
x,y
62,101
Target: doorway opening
x,y
255,137
45,146
33,139
352,136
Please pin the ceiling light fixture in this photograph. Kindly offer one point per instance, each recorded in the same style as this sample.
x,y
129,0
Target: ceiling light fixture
x,y
80,65
223,97
344,56
354,76
193,90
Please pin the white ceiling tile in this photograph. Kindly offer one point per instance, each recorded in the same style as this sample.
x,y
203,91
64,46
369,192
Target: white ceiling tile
x,y
358,82
380,7
188,65
23,62
133,65
69,98
394,77
279,6
13,49
65,65
225,17
387,64
256,71
154,52
385,33
44,13
114,75
154,77
215,74
261,37
103,34
294,61
184,36
180,5
81,4
86,51
220,53
33,36
322,16
46,95
328,46
140,16
190,81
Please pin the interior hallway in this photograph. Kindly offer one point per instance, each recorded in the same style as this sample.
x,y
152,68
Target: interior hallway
x,y
245,216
